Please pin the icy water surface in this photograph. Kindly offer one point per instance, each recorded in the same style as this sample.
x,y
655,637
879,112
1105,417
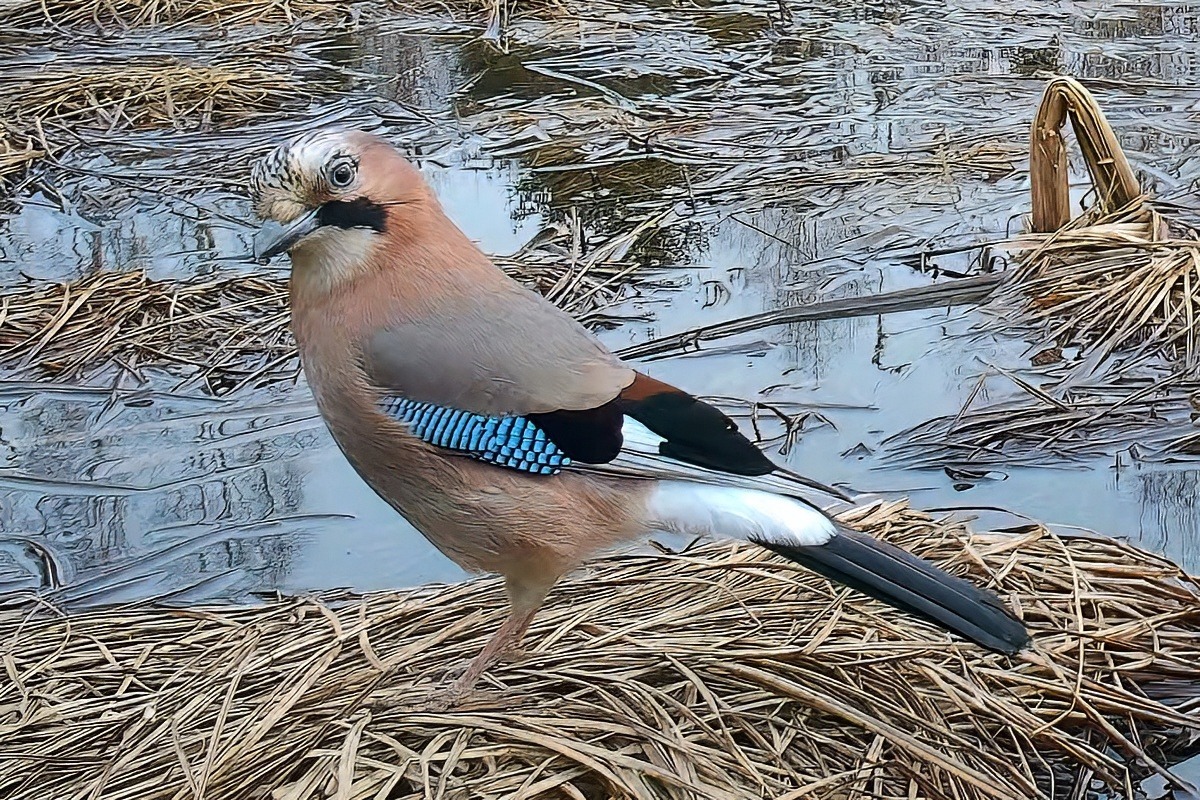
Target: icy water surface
x,y
806,154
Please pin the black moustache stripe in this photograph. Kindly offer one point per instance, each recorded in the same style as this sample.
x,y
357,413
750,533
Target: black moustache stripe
x,y
357,213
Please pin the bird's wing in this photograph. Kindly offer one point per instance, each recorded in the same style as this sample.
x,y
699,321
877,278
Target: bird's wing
x,y
645,454
504,350
505,377
515,382
505,353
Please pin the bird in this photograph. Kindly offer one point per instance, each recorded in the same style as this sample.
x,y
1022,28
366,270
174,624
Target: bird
x,y
505,432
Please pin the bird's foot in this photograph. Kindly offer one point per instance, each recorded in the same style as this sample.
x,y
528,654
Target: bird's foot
x,y
516,655
449,696
460,687
462,692
426,698
505,645
439,701
465,688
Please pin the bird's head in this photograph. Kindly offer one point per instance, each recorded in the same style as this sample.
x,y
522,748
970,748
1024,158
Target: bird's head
x,y
328,197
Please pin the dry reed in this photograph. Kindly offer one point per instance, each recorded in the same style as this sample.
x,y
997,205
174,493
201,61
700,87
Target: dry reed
x,y
124,14
721,672
235,332
1115,279
230,331
44,108
1119,283
17,151
1078,424
142,93
569,140
128,14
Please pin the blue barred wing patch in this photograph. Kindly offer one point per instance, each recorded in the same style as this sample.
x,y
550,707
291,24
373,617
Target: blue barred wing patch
x,y
512,442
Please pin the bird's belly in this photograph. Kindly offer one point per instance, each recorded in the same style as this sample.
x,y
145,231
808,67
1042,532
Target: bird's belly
x,y
487,518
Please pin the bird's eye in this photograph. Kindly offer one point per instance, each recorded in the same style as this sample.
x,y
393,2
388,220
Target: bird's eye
x,y
341,174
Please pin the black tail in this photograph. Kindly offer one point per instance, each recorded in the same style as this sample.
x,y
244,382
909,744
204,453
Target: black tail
x,y
911,584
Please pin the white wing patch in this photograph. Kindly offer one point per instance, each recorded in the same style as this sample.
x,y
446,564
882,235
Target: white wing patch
x,y
637,436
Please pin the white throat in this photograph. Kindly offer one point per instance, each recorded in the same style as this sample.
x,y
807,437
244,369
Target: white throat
x,y
331,256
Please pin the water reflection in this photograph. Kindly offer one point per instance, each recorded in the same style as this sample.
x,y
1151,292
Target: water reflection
x,y
1169,499
180,497
806,155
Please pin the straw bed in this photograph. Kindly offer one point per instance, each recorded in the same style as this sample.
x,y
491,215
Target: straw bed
x,y
235,332
122,14
1118,277
141,93
1120,284
723,672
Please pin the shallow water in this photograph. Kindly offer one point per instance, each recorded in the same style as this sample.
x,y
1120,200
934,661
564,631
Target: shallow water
x,y
810,154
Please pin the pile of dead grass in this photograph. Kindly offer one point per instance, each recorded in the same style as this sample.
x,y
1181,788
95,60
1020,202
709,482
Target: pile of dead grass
x,y
125,14
1114,281
143,93
17,151
1118,278
128,14
225,332
1117,286
47,108
1076,424
234,332
723,672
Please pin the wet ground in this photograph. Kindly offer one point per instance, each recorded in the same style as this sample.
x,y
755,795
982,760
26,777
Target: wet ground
x,y
788,154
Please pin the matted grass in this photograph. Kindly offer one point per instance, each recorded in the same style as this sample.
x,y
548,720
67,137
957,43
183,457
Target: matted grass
x,y
144,13
1119,284
234,332
1113,281
126,14
143,93
228,332
1117,277
17,151
722,672
1090,422
46,108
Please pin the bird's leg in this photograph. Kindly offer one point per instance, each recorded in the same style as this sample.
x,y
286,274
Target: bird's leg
x,y
504,641
525,601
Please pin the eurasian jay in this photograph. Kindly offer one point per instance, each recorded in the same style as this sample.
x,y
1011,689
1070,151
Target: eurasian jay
x,y
504,431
